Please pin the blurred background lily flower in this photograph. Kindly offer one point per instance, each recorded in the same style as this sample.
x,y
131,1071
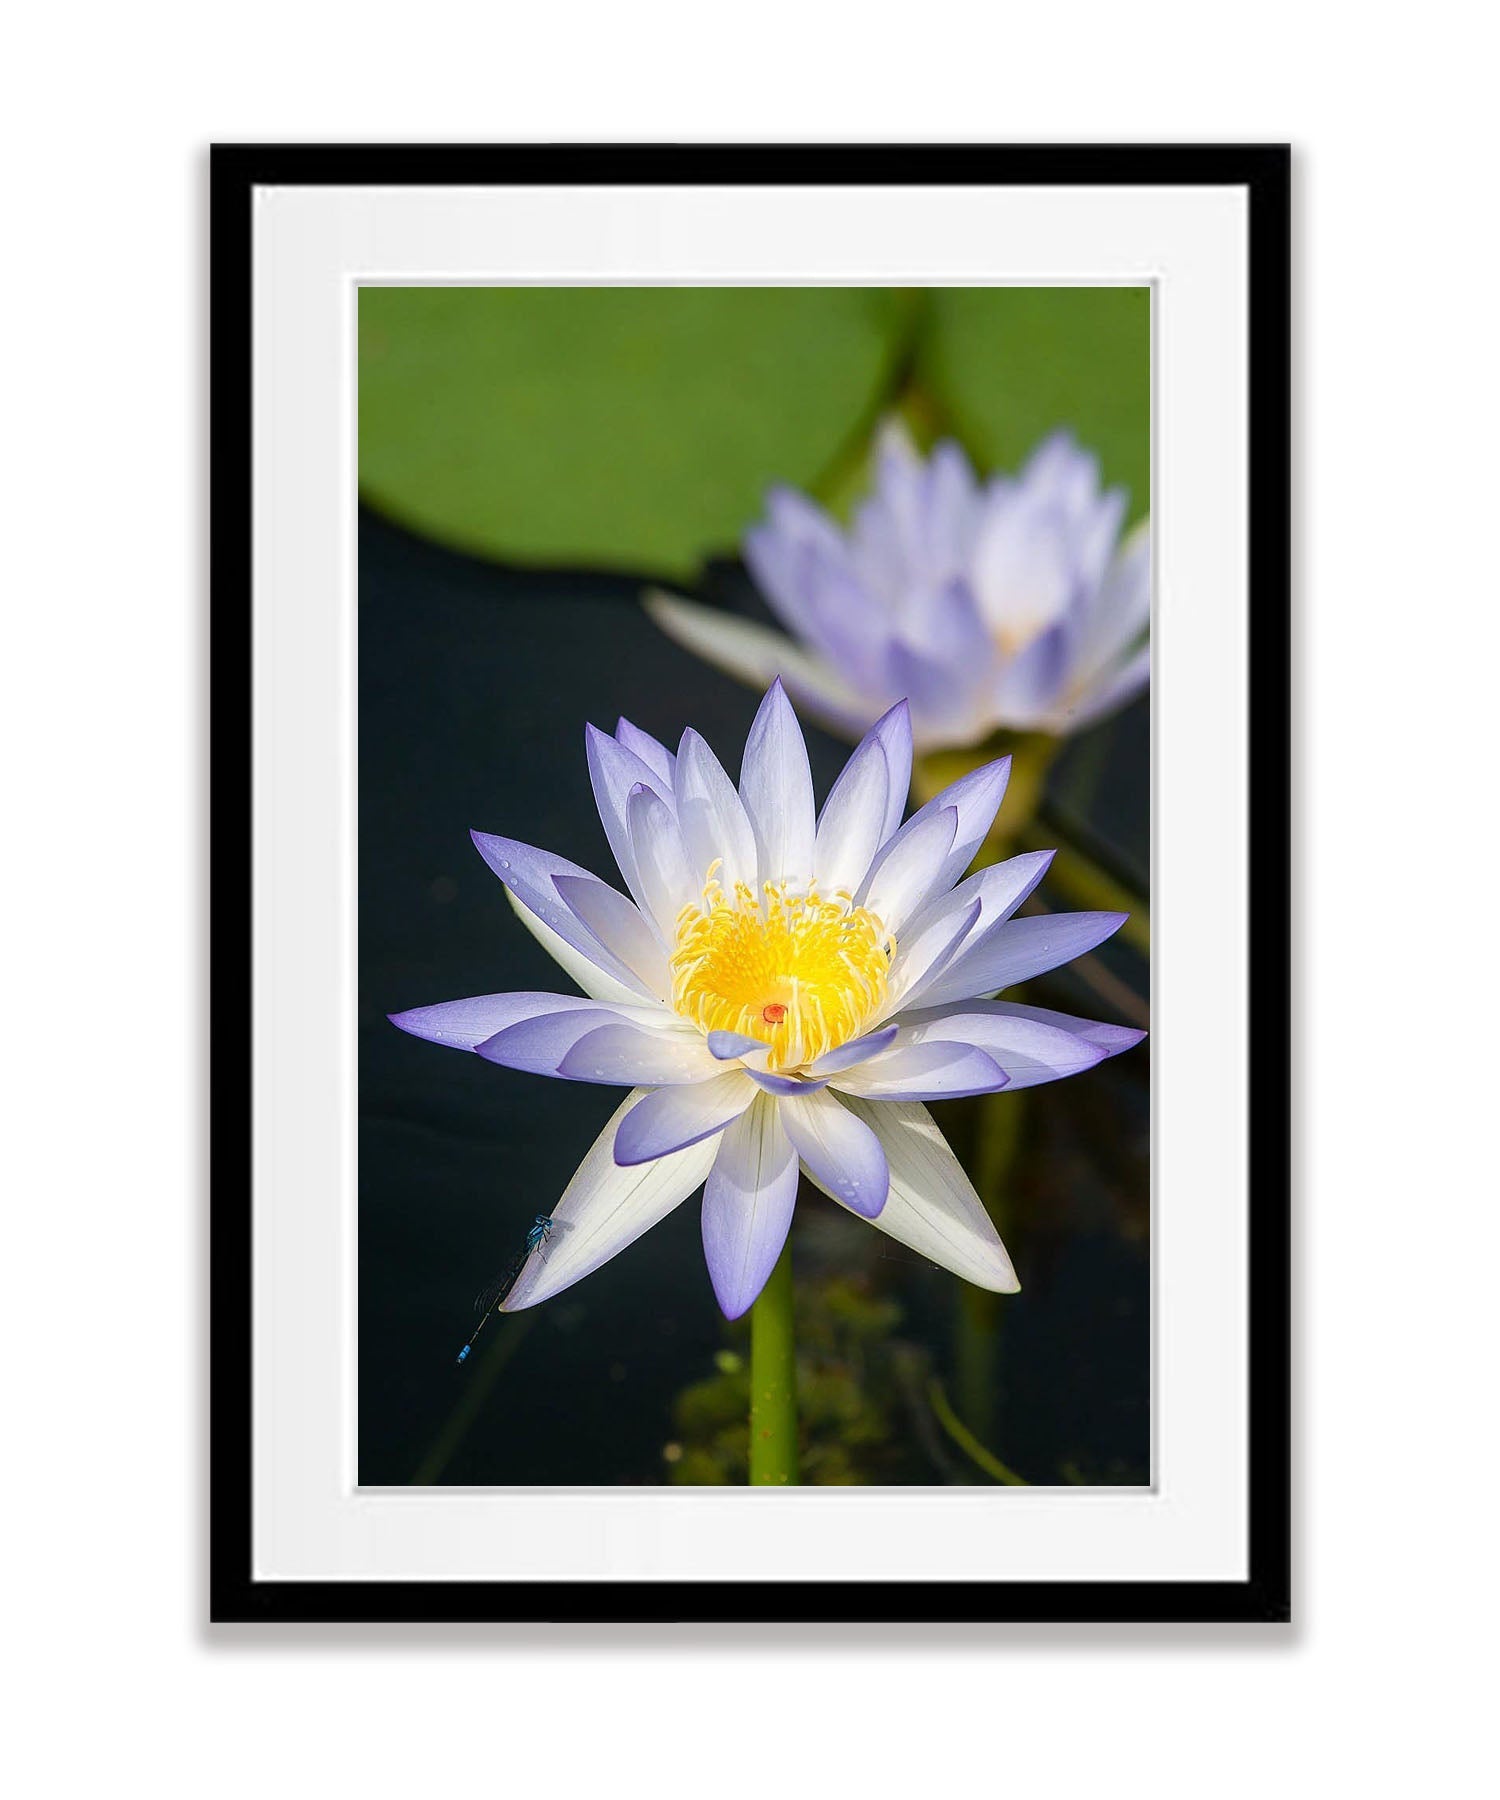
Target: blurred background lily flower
x,y
1012,604
782,989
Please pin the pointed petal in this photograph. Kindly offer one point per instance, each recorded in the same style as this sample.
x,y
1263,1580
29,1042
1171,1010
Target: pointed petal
x,y
894,735
727,1046
465,1024
668,1118
628,1047
830,608
656,756
1113,692
857,1050
625,1053
841,1152
1026,1045
785,1084
530,874
1111,1039
986,898
946,697
604,1208
665,880
852,825
925,950
924,1071
1031,681
592,979
616,773
758,655
904,874
715,825
1018,949
620,927
748,1205
1121,608
932,1207
976,798
948,623
776,786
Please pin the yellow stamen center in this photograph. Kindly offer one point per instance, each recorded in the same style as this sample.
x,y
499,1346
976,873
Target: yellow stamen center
x,y
797,971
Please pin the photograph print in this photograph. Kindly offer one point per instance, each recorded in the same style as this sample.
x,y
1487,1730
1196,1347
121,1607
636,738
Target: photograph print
x,y
754,835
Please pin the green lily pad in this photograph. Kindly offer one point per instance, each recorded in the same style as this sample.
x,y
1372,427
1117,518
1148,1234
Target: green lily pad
x,y
1009,365
628,428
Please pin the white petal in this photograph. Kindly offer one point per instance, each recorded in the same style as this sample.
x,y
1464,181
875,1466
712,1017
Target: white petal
x,y
622,1046
932,1207
902,877
776,787
616,773
666,881
620,927
941,1070
530,875
729,1046
656,756
894,734
1026,1044
852,1052
852,827
941,928
1120,610
757,654
1018,949
1113,692
604,1208
594,982
620,1054
715,825
1022,567
840,1152
668,1118
1111,1039
466,1024
748,1205
976,798
925,950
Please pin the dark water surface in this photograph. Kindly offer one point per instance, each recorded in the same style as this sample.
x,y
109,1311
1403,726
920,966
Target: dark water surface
x,y
474,686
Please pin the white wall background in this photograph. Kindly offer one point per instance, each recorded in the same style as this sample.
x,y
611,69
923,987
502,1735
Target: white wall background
x,y
115,1680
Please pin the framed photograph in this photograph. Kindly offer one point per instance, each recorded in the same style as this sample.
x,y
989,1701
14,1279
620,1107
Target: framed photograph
x,y
751,1083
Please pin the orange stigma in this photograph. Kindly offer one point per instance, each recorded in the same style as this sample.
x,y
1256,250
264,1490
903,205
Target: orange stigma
x,y
774,1013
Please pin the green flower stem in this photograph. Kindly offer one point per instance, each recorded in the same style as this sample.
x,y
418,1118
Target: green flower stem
x,y
773,1381
976,1355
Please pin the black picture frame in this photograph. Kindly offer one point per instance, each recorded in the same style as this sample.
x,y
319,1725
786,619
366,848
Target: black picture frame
x,y
1263,171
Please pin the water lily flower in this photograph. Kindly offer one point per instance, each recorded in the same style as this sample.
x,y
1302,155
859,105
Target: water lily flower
x,y
1012,604
782,989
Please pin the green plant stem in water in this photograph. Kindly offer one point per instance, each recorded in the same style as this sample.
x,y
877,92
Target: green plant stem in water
x,y
966,1440
773,1381
479,1384
976,1354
